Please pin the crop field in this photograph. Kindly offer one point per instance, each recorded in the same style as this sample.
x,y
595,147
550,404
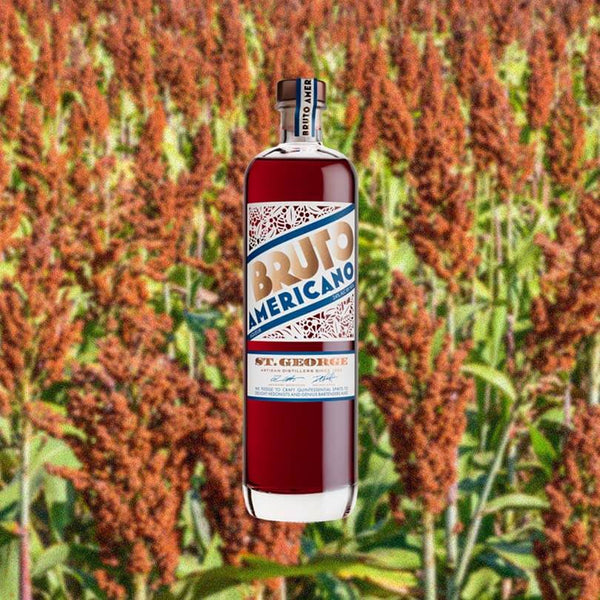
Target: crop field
x,y
125,130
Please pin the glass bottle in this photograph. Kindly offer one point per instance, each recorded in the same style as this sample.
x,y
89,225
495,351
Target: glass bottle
x,y
300,317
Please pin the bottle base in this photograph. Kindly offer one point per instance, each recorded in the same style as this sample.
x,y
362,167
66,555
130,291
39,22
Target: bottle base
x,y
301,508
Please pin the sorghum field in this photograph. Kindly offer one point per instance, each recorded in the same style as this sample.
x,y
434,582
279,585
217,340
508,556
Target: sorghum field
x,y
125,130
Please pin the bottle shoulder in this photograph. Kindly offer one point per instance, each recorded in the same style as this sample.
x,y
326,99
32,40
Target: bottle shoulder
x,y
325,177
315,155
299,151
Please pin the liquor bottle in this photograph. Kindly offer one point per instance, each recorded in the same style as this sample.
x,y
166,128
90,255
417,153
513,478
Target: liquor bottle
x,y
300,320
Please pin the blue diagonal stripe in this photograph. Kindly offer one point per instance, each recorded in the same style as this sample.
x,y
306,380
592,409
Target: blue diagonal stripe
x,y
300,231
298,313
313,116
297,111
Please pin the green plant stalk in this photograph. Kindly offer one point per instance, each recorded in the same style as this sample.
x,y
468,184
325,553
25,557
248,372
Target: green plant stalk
x,y
386,217
511,464
475,524
511,319
314,50
451,322
452,509
484,429
567,402
282,588
200,228
509,517
107,216
191,340
433,293
168,307
260,593
594,397
429,556
24,554
451,536
484,182
140,589
495,282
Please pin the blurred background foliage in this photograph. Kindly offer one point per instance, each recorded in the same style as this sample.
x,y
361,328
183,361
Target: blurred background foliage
x,y
126,127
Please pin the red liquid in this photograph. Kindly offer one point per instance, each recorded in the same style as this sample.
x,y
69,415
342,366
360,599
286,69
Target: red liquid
x,y
300,447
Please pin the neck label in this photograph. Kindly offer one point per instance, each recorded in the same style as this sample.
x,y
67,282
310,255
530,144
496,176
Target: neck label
x,y
306,107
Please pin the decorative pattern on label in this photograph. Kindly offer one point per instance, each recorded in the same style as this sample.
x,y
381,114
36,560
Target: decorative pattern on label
x,y
301,278
266,220
334,323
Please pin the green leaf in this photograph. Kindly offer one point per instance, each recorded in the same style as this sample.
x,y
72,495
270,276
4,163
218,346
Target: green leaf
x,y
518,554
499,380
522,501
392,580
9,497
199,322
499,321
50,558
481,325
171,151
481,290
522,325
480,584
553,415
591,178
6,430
374,486
9,567
465,312
402,257
331,587
45,451
543,449
213,376
87,582
60,499
403,558
359,567
50,451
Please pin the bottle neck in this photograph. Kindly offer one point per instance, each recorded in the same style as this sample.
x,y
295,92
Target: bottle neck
x,y
291,130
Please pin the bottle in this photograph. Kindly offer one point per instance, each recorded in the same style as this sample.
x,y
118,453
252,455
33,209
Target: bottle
x,y
300,406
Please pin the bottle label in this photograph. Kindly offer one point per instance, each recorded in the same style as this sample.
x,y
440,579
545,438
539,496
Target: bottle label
x,y
306,107
300,271
301,376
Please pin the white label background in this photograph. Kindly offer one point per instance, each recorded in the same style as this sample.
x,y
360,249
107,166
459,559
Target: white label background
x,y
284,382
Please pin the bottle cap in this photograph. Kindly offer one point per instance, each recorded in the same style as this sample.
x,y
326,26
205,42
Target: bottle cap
x,y
288,89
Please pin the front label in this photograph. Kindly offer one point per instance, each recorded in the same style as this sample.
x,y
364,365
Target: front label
x,y
300,271
300,286
302,376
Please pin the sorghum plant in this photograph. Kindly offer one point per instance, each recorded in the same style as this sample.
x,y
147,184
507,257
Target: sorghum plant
x,y
540,92
565,140
440,220
567,310
138,420
570,553
422,395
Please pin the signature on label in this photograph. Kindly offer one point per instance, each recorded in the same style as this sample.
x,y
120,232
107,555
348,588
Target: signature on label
x,y
285,378
330,376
